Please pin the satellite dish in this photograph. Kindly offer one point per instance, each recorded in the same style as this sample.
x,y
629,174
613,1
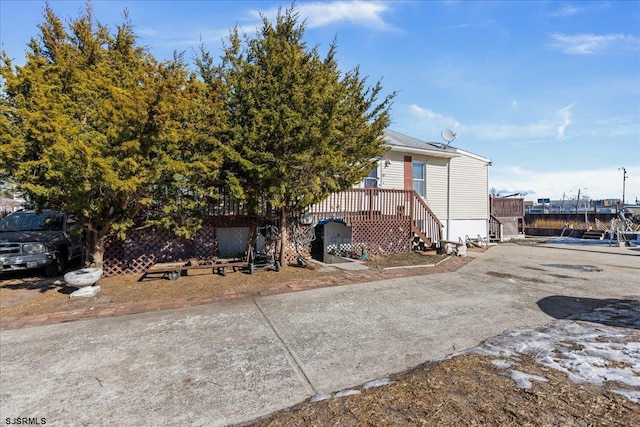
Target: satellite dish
x,y
448,135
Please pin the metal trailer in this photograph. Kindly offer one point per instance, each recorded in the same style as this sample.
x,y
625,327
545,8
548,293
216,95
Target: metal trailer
x,y
257,257
173,270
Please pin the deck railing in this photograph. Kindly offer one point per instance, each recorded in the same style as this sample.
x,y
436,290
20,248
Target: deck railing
x,y
355,205
495,229
377,204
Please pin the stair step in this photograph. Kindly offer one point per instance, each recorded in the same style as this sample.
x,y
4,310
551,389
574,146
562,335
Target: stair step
x,y
594,235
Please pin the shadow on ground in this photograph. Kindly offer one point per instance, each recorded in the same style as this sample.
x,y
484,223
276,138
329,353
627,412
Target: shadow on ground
x,y
27,280
608,311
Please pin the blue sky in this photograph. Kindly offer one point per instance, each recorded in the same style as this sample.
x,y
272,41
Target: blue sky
x,y
549,91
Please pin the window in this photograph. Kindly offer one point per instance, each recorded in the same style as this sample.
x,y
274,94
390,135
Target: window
x,y
418,178
371,181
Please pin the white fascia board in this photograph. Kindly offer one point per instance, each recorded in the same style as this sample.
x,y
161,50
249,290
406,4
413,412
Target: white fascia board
x,y
474,156
432,153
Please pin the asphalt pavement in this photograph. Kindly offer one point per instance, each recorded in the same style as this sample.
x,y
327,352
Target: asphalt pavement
x,y
231,362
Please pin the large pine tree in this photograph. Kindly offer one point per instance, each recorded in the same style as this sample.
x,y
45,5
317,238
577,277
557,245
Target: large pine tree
x,y
300,128
93,124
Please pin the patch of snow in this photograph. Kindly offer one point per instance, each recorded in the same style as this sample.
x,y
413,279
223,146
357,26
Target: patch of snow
x,y
319,397
586,351
377,383
501,363
524,380
345,393
632,395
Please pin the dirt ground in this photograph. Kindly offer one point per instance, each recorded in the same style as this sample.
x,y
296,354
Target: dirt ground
x,y
464,390
467,390
26,294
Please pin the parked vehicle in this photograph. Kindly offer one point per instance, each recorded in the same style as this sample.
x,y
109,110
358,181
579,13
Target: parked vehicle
x,y
39,239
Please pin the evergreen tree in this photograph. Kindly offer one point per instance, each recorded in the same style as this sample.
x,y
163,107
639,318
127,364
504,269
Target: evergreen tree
x,y
92,124
298,128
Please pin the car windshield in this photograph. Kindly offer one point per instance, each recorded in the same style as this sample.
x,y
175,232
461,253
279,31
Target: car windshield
x,y
31,221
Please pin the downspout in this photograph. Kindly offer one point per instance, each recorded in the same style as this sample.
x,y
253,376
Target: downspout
x,y
488,203
448,199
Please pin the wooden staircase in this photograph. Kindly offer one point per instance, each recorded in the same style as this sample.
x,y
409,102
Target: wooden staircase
x,y
426,228
379,208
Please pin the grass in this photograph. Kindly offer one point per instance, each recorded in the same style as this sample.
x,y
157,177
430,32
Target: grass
x,y
551,223
403,259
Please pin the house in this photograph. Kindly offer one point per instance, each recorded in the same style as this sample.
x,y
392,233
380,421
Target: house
x,y
454,183
420,192
419,195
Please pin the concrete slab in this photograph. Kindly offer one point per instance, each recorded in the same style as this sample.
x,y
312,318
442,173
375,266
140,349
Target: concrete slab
x,y
86,292
208,365
231,362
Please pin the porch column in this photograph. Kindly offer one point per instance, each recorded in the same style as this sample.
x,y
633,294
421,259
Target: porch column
x,y
408,174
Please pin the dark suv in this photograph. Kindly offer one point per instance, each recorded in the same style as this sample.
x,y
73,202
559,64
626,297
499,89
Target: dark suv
x,y
38,239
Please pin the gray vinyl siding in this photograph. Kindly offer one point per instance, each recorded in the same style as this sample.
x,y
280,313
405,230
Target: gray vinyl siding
x,y
469,188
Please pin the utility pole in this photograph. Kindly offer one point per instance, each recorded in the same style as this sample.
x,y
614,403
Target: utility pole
x,y
624,180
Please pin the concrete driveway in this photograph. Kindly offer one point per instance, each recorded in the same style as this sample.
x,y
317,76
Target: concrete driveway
x,y
230,362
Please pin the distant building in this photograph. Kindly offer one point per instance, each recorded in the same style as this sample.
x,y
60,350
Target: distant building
x,y
8,205
573,206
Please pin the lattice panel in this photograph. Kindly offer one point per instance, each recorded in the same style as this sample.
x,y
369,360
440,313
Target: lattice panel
x,y
114,257
298,243
382,237
205,243
143,248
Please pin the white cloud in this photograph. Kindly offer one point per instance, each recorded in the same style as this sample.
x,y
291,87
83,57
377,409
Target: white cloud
x,y
603,183
185,38
531,133
566,11
585,44
318,14
367,13
565,114
433,121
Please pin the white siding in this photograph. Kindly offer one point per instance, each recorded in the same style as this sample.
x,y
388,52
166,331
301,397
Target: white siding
x,y
437,186
393,174
473,228
469,188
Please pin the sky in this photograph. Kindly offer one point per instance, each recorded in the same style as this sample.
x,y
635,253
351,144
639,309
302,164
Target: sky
x,y
549,91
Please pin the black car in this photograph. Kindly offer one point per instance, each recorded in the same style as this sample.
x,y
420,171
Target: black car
x,y
39,239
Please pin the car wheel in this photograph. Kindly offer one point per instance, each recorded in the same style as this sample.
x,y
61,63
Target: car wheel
x,y
56,268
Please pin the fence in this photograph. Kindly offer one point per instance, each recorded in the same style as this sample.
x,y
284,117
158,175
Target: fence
x,y
385,221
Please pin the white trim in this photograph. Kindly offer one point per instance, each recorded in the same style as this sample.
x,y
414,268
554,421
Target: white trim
x,y
474,156
431,153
